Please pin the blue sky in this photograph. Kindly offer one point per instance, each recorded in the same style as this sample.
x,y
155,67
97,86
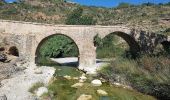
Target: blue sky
x,y
111,3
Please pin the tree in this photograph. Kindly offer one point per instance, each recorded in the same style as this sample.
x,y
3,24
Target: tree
x,y
2,2
148,4
58,46
124,5
74,17
77,18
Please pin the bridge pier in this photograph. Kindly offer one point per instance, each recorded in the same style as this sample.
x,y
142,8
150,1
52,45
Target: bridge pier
x,y
87,57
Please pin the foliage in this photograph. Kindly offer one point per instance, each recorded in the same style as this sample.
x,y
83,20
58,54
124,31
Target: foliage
x,y
107,47
35,87
77,18
60,88
124,5
2,2
148,74
148,4
97,40
58,46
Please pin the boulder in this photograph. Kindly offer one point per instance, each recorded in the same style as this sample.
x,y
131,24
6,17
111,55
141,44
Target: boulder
x,y
67,77
96,82
83,77
102,92
85,97
41,91
77,85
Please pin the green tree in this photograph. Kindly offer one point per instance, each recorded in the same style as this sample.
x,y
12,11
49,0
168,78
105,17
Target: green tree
x,y
124,5
77,18
2,2
58,46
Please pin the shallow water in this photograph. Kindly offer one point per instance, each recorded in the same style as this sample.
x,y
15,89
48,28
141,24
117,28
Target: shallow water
x,y
60,88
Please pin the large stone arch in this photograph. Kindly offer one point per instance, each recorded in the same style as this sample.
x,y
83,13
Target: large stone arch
x,y
49,36
133,45
124,33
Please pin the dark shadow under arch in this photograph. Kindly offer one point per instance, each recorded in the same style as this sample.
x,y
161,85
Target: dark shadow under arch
x,y
13,51
37,53
166,46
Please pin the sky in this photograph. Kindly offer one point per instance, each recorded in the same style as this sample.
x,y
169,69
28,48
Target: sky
x,y
111,3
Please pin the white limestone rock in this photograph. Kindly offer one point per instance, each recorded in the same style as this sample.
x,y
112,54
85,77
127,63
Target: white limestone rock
x,y
85,97
67,77
41,91
83,77
96,82
77,85
102,92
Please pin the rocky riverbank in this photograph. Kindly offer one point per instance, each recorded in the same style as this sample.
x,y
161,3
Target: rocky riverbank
x,y
17,85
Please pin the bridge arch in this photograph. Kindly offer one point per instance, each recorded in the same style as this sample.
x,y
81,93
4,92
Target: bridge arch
x,y
43,40
126,35
13,50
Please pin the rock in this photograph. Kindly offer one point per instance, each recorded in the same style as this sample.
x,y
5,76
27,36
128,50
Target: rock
x,y
102,92
81,81
117,84
85,97
38,71
3,97
67,77
75,78
77,85
96,82
41,91
83,77
3,57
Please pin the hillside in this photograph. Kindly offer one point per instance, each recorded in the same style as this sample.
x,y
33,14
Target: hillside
x,y
147,16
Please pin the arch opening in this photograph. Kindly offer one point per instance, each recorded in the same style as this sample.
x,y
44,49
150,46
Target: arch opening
x,y
13,51
166,46
57,49
117,44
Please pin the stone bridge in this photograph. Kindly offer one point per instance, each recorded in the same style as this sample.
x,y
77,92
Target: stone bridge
x,y
28,37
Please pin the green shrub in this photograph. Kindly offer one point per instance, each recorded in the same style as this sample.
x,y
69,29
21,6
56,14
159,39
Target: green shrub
x,y
148,74
107,48
77,18
35,87
124,5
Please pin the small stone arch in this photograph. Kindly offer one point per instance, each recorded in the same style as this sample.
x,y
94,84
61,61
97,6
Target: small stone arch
x,y
49,36
13,51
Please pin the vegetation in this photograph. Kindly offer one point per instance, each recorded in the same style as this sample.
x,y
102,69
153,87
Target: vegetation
x,y
58,46
35,87
55,47
108,47
76,18
147,74
60,89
